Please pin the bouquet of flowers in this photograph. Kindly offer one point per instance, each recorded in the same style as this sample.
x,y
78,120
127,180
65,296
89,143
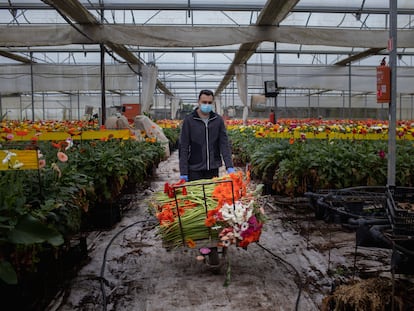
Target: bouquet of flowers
x,y
219,210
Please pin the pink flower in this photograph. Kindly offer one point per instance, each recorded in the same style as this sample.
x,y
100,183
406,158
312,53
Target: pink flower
x,y
62,156
205,250
381,154
42,163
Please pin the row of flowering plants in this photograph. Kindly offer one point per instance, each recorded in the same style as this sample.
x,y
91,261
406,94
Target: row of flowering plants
x,y
331,129
44,207
296,164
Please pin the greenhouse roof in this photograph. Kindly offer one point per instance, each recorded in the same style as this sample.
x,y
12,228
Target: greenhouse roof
x,y
198,44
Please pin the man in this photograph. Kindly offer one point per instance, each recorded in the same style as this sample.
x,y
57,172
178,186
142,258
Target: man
x,y
204,142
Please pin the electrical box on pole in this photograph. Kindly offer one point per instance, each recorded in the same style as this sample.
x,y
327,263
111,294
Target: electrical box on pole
x,y
383,84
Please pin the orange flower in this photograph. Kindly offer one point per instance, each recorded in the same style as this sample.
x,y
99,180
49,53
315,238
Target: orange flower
x,y
291,141
22,132
190,243
210,221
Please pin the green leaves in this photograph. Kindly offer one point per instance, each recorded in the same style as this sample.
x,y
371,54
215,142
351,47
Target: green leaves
x,y
7,273
46,206
323,164
30,230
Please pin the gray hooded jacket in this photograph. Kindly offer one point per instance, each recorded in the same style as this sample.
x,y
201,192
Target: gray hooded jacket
x,y
203,145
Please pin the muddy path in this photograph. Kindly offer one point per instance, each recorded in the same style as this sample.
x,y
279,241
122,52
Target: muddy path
x,y
296,264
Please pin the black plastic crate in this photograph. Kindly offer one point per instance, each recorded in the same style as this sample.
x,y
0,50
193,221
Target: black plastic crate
x,y
400,208
341,204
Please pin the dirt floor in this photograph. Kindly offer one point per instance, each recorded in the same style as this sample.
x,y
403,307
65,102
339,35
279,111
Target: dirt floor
x,y
296,265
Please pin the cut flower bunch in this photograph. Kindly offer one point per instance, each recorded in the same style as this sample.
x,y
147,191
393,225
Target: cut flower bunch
x,y
220,212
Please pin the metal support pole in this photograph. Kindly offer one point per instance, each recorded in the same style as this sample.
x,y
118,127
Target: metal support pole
x,y
343,104
275,77
103,90
32,83
103,98
349,92
392,106
43,106
79,116
401,106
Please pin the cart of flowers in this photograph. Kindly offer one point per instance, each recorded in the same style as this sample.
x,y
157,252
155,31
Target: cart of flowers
x,y
209,215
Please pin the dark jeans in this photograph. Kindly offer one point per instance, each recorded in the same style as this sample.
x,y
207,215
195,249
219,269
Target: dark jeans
x,y
206,174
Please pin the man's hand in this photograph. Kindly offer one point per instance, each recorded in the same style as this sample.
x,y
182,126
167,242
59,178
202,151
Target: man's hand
x,y
185,177
230,170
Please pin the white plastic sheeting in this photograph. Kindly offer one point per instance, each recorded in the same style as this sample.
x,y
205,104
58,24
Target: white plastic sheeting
x,y
152,130
241,79
149,81
198,36
48,77
17,79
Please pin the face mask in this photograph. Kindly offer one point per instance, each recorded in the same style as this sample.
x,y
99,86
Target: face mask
x,y
206,108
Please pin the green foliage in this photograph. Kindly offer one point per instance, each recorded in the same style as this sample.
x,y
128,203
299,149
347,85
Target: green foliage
x,y
305,165
243,144
173,135
7,273
46,206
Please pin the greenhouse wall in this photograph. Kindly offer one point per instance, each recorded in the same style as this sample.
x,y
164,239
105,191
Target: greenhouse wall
x,y
72,107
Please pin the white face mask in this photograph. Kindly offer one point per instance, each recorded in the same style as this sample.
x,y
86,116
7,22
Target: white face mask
x,y
206,108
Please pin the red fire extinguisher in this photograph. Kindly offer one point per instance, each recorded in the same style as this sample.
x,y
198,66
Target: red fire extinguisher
x,y
272,117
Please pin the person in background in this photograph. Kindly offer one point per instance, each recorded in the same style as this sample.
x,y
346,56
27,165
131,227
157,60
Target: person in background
x,y
203,142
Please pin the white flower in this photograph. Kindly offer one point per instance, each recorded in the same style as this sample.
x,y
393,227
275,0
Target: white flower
x,y
8,156
17,164
70,143
244,226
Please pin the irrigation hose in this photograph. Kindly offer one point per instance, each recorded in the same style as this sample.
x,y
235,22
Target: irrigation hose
x,y
276,257
101,276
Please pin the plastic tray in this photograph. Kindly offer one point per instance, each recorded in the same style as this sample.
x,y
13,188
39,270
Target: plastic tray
x,y
350,202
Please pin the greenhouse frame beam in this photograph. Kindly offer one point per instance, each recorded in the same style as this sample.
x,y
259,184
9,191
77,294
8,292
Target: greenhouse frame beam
x,y
16,57
366,53
272,14
194,50
77,12
240,6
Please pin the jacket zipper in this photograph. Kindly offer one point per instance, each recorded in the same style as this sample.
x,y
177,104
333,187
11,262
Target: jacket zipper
x,y
208,151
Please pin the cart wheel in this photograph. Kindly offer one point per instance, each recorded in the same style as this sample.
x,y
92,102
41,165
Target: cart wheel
x,y
213,257
214,262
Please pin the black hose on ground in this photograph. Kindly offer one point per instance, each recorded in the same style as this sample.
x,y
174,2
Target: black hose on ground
x,y
101,276
299,280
